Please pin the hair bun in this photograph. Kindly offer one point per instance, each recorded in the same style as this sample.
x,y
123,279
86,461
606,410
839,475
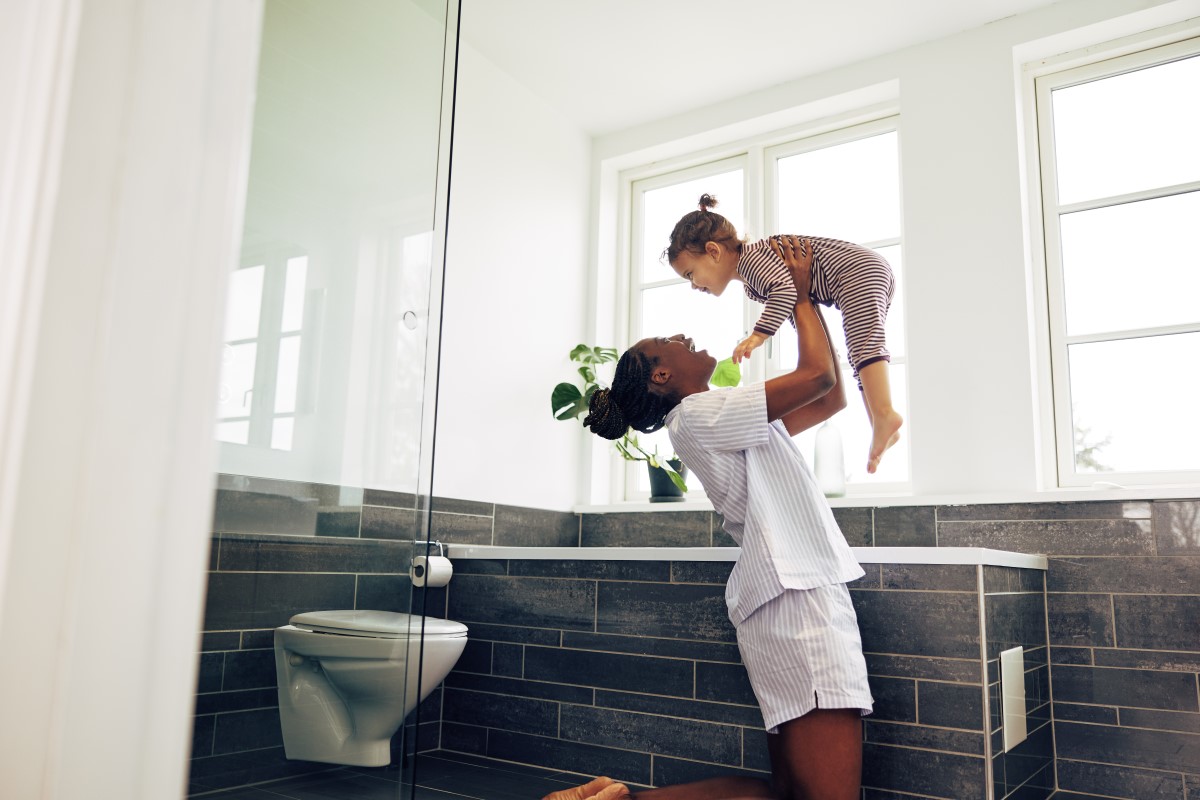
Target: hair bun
x,y
605,417
707,201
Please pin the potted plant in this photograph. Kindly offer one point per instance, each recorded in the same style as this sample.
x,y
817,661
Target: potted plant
x,y
569,401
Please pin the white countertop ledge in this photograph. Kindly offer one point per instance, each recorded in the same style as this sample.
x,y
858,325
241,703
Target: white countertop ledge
x,y
865,555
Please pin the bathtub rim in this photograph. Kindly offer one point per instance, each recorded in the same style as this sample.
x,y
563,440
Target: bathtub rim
x,y
978,556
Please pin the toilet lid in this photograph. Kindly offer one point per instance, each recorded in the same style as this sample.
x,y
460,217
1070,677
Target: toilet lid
x,y
377,624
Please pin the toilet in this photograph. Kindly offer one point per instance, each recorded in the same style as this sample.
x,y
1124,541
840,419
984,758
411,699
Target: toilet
x,y
343,689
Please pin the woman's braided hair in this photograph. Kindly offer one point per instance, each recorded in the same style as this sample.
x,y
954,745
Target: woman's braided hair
x,y
696,228
629,403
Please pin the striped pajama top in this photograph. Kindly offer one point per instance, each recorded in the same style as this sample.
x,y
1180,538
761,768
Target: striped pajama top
x,y
761,485
855,279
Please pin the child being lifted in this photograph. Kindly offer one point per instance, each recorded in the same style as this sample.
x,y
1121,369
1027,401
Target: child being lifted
x,y
706,251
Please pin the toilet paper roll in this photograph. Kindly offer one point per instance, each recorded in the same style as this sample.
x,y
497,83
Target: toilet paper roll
x,y
431,571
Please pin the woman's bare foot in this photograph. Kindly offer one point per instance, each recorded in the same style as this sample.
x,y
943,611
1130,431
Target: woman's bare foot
x,y
618,791
885,432
593,788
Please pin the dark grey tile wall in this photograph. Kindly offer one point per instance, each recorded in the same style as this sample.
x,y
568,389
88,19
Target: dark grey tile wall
x,y
1015,616
1122,618
631,669
280,548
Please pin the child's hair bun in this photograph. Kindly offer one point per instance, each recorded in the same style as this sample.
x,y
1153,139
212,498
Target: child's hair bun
x,y
707,201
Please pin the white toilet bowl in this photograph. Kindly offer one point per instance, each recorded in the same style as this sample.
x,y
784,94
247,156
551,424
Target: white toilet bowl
x,y
343,689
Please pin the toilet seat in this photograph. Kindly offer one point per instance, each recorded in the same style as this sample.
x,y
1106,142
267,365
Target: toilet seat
x,y
378,624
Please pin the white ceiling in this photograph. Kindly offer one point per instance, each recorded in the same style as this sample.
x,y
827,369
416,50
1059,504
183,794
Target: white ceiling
x,y
612,64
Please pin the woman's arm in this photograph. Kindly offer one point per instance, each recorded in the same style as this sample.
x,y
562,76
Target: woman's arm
x,y
818,411
816,372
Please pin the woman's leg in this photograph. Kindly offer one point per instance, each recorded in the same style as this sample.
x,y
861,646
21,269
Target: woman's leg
x,y
712,789
818,756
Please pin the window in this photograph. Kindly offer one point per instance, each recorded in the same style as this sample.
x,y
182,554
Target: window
x,y
1121,199
844,185
260,366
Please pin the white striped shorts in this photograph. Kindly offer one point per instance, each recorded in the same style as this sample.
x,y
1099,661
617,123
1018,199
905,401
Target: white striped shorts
x,y
802,651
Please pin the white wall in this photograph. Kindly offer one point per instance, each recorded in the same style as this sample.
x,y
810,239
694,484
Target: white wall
x,y
516,272
975,400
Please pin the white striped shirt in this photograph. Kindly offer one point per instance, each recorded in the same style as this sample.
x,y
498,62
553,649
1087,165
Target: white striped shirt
x,y
759,482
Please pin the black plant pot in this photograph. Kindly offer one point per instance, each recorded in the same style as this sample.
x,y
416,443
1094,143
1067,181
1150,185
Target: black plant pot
x,y
662,488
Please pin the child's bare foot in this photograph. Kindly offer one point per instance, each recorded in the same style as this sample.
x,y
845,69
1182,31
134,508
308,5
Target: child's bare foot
x,y
885,432
618,791
593,788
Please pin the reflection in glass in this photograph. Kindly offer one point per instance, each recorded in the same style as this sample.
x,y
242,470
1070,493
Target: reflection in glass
x,y
1128,132
848,191
236,392
236,432
1133,400
293,294
244,303
1132,265
281,433
287,375
339,209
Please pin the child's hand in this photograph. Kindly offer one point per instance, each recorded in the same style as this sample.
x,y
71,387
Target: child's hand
x,y
797,254
754,340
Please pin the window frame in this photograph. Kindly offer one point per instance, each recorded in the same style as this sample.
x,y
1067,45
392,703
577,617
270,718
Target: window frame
x,y
758,158
269,339
1059,444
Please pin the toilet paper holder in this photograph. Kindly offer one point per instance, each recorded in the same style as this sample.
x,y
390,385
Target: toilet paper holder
x,y
441,548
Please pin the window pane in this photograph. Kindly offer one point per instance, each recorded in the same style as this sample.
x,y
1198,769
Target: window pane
x,y
244,303
281,433
715,323
287,377
235,394
1131,266
293,294
1139,424
849,191
1129,132
851,422
234,432
663,208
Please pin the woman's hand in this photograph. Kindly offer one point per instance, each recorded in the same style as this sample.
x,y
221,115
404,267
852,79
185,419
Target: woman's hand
x,y
797,254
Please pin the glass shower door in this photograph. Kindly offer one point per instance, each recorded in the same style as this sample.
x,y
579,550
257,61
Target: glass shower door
x,y
330,363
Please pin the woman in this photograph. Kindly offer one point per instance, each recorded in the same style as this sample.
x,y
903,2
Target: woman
x,y
787,597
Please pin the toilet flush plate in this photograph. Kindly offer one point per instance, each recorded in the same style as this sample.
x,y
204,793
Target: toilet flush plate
x,y
1012,696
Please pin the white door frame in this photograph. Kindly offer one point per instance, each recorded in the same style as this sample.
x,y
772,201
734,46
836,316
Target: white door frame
x,y
124,139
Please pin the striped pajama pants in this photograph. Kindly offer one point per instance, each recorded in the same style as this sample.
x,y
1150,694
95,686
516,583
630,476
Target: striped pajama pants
x,y
860,282
803,651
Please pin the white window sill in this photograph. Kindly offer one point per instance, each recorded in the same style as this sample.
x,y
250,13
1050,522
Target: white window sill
x,y
1134,493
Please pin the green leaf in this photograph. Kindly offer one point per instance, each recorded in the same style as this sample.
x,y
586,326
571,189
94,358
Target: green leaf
x,y
567,402
676,478
727,373
593,355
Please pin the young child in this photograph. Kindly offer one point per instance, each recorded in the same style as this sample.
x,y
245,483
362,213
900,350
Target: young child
x,y
705,250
